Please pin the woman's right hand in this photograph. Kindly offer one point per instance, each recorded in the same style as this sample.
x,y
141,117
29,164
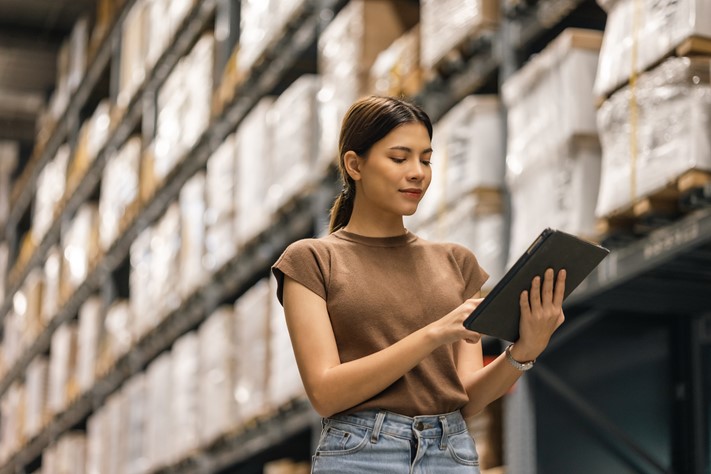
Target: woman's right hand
x,y
450,328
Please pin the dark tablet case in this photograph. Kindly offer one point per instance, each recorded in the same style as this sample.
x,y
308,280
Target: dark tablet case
x,y
498,315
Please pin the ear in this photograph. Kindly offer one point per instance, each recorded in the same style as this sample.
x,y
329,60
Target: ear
x,y
352,162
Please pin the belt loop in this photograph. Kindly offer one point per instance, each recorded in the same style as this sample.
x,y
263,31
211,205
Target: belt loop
x,y
445,432
379,418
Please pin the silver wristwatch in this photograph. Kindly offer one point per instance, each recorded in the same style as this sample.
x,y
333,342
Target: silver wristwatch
x,y
522,366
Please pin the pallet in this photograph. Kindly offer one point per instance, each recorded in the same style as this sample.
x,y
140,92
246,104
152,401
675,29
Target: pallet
x,y
689,191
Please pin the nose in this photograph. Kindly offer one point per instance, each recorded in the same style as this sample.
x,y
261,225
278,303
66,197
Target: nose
x,y
416,172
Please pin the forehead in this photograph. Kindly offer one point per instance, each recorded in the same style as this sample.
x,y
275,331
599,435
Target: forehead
x,y
414,134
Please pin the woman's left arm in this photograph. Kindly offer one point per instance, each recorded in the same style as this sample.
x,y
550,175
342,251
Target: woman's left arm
x,y
541,315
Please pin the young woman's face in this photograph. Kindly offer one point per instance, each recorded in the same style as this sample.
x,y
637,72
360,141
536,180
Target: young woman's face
x,y
396,173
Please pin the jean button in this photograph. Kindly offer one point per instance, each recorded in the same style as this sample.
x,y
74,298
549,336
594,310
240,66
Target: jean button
x,y
419,426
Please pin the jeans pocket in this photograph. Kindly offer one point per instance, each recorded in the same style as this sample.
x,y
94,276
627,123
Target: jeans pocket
x,y
340,440
462,449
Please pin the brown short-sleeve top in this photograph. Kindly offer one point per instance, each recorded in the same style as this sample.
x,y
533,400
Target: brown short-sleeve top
x,y
380,290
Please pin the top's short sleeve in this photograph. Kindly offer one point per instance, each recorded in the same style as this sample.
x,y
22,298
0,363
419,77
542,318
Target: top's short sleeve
x,y
306,262
474,276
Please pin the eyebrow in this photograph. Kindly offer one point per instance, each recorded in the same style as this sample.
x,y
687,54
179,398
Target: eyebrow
x,y
409,150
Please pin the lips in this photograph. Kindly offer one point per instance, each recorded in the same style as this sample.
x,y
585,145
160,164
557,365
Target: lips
x,y
412,192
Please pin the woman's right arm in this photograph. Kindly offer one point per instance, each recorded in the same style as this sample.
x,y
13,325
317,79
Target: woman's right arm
x,y
333,386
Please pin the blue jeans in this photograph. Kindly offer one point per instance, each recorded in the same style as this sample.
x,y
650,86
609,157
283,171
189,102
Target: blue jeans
x,y
383,442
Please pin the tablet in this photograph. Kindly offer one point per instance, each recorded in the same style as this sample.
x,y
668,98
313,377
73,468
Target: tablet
x,y
499,313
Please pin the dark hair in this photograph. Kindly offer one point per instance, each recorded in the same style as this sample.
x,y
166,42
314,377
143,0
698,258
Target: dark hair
x,y
368,121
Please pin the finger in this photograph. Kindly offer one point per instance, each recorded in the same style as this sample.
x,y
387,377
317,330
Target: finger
x,y
473,338
559,292
548,286
536,294
525,307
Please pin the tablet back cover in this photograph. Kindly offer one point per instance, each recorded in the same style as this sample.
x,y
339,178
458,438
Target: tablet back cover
x,y
498,315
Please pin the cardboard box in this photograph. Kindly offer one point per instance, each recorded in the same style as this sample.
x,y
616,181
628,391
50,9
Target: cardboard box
x,y
140,285
192,235
159,425
396,71
36,382
50,191
135,393
220,201
90,324
62,368
52,276
134,41
80,243
116,337
184,398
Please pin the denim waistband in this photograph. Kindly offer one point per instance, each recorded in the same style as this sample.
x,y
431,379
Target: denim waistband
x,y
382,421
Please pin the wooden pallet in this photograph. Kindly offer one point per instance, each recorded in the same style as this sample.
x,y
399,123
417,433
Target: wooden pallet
x,y
659,208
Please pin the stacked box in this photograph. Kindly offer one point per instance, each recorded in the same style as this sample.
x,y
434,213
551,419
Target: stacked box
x,y
116,336
257,31
295,118
140,281
134,43
218,407
159,25
78,44
158,425
347,50
4,256
284,382
252,332
553,160
80,248
27,303
184,398
647,31
59,99
135,393
52,275
116,425
9,154
11,429
220,191
93,135
184,107
192,237
95,447
36,379
396,71
66,456
165,260
12,343
50,191
254,147
62,368
119,191
90,322
479,223
446,24
673,103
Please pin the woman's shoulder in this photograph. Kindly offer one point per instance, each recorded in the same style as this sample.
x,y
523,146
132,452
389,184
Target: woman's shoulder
x,y
311,245
452,248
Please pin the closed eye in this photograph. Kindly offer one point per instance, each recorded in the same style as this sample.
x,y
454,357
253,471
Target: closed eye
x,y
398,160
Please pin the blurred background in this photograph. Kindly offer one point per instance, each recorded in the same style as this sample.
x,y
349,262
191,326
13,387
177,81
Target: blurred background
x,y
157,156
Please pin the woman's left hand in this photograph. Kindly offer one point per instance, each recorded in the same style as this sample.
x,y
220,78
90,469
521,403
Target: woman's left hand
x,y
541,315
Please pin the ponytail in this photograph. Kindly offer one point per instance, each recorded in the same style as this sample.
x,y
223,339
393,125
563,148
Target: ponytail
x,y
342,207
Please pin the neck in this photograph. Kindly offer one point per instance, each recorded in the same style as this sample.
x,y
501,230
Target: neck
x,y
371,225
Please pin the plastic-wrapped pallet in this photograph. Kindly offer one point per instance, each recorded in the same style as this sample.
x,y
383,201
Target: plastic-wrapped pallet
x,y
647,31
140,284
62,368
347,50
184,107
220,189
9,153
254,145
36,386
284,383
192,235
165,254
218,407
90,322
116,335
119,191
185,395
295,116
446,24
50,190
251,340
158,425
673,103
52,275
553,160
396,71
80,244
137,414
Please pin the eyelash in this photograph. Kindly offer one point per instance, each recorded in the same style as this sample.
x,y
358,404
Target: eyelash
x,y
402,160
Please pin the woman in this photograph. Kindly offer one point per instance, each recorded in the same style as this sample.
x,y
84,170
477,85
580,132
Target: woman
x,y
375,314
